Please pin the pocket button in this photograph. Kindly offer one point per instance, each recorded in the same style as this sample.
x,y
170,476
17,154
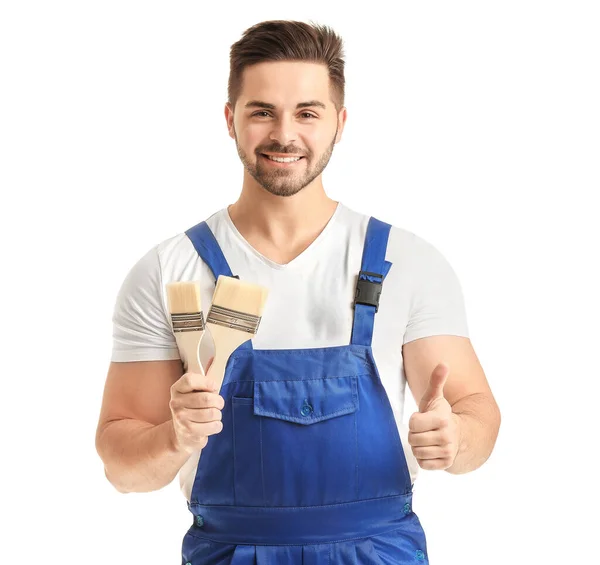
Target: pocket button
x,y
420,555
307,409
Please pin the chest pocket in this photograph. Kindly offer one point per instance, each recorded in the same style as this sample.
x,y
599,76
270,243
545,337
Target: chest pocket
x,y
296,442
306,402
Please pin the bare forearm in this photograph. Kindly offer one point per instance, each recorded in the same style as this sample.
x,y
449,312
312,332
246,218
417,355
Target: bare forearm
x,y
478,418
138,456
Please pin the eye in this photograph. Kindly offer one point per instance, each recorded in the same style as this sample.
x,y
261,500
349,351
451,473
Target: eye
x,y
303,114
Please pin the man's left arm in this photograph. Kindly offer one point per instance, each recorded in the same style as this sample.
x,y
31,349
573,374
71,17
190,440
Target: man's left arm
x,y
458,420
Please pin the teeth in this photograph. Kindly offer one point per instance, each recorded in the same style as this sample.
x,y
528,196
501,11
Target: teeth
x,y
286,160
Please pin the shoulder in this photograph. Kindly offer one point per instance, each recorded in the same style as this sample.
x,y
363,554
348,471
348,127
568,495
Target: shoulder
x,y
147,270
399,238
404,247
421,254
177,255
416,253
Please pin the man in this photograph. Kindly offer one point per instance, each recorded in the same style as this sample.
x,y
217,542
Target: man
x,y
298,457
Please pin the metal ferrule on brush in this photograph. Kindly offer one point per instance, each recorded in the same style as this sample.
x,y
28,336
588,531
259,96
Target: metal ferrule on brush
x,y
233,319
190,322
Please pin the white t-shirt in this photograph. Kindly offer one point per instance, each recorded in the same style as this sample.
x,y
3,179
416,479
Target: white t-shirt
x,y
309,303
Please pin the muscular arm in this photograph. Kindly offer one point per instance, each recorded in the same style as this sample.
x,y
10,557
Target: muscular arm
x,y
135,436
479,422
467,391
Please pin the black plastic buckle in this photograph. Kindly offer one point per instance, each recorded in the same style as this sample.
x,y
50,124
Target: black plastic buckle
x,y
368,292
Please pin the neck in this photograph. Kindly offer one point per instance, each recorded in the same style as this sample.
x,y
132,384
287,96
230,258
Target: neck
x,y
281,226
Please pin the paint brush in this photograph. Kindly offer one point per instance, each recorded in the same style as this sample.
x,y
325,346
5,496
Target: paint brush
x,y
233,318
185,306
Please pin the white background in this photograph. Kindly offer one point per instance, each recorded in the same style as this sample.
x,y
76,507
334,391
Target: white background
x,y
473,124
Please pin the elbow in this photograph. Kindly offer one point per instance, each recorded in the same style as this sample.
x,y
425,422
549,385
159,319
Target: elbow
x,y
126,484
491,418
111,477
497,419
119,487
101,450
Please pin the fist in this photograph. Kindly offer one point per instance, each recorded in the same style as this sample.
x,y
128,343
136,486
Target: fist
x,y
196,410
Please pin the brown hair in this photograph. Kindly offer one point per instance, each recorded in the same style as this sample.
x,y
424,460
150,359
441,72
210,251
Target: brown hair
x,y
281,40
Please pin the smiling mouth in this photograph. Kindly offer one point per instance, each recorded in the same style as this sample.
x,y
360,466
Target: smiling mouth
x,y
288,163
286,157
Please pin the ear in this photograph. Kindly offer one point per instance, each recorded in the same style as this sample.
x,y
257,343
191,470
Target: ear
x,y
342,117
229,119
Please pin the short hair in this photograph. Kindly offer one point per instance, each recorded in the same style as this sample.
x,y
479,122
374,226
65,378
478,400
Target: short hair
x,y
287,40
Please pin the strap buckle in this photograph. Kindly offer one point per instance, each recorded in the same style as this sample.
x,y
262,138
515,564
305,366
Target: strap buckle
x,y
368,292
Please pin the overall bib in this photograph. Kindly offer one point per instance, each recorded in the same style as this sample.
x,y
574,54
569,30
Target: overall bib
x,y
309,467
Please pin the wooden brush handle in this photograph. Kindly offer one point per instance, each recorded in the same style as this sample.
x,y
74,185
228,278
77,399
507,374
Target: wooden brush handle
x,y
226,340
189,347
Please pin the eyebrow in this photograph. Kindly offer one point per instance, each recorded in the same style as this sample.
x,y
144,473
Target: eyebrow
x,y
261,104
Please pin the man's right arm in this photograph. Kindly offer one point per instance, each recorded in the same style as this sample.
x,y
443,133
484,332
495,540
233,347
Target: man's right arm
x,y
135,437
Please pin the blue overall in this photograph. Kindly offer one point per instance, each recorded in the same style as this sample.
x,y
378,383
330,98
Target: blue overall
x,y
309,467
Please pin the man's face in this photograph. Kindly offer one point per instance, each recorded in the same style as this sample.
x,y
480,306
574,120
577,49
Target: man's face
x,y
267,119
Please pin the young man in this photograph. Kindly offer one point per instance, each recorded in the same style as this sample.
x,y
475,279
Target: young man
x,y
298,457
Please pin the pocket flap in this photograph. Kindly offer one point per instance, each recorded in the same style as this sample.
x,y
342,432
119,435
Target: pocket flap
x,y
306,402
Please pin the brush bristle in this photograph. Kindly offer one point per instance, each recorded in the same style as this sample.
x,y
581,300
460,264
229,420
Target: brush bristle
x,y
184,297
240,296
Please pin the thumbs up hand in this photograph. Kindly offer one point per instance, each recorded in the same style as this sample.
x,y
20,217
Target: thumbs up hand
x,y
434,431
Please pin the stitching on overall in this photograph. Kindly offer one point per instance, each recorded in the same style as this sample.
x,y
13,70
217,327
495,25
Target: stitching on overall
x,y
347,376
315,379
330,415
268,509
234,450
329,542
356,456
301,350
262,470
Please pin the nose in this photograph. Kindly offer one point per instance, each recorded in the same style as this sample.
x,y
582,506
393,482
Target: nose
x,y
284,131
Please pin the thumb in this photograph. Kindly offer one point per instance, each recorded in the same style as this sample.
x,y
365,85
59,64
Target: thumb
x,y
435,389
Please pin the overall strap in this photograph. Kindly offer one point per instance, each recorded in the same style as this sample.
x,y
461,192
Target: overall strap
x,y
374,269
207,247
210,252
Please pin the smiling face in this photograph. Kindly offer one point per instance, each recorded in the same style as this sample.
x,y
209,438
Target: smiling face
x,y
285,109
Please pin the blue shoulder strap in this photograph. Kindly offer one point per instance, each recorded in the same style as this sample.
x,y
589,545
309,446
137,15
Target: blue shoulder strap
x,y
207,247
374,269
210,252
